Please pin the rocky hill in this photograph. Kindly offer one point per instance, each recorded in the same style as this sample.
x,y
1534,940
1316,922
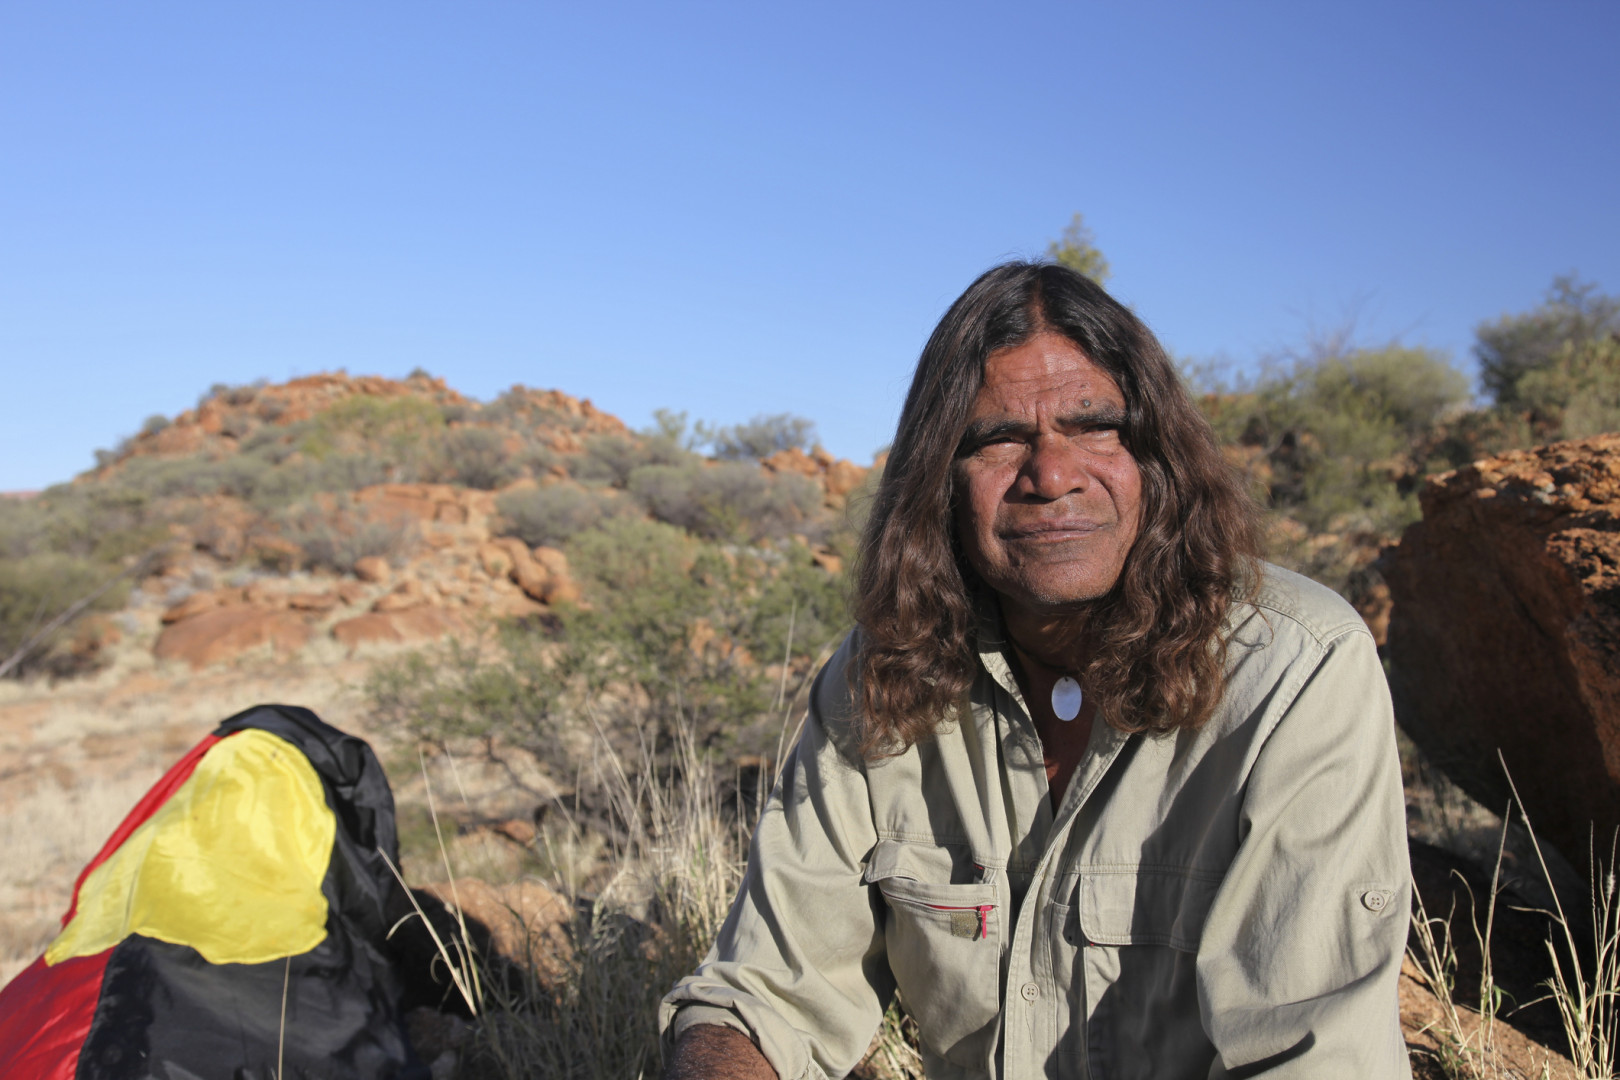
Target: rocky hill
x,y
372,511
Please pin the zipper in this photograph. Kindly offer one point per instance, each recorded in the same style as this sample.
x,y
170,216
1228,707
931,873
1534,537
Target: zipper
x,y
984,911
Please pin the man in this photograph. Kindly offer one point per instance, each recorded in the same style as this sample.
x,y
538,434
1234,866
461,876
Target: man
x,y
1097,791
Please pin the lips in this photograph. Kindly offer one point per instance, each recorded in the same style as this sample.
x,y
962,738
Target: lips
x,y
1060,529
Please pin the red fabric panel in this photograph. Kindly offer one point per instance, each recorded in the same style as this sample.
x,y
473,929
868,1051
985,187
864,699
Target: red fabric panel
x,y
45,1014
155,797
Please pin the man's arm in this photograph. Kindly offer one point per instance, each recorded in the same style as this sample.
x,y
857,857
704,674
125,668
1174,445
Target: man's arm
x,y
713,1052
800,963
1301,952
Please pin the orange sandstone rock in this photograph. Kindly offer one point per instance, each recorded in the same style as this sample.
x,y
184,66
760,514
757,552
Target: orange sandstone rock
x,y
227,632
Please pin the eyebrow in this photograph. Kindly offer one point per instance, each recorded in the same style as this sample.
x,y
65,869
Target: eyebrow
x,y
992,428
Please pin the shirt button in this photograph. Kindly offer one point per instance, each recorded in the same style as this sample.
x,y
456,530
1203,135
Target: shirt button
x,y
1030,991
1374,900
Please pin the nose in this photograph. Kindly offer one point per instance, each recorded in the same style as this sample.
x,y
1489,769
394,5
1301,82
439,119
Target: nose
x,y
1055,468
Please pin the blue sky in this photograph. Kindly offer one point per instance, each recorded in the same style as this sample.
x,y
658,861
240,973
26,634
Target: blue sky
x,y
736,209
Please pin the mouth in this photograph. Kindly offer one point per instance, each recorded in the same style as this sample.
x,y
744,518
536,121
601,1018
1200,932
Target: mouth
x,y
1052,531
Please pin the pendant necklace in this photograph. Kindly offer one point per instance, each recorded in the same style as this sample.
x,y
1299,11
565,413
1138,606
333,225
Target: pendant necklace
x,y
1066,698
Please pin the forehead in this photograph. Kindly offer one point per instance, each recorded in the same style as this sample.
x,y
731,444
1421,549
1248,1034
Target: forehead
x,y
1046,370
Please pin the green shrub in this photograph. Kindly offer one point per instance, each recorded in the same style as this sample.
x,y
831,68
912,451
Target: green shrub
x,y
611,458
677,631
34,590
761,437
550,515
1577,391
337,534
478,458
1340,430
98,521
1574,313
406,432
729,500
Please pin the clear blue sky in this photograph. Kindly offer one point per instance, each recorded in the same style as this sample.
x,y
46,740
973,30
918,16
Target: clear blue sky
x,y
735,209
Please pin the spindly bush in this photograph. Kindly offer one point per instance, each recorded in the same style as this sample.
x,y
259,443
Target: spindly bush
x,y
761,437
678,631
611,458
335,533
551,515
1574,314
37,588
729,500
477,457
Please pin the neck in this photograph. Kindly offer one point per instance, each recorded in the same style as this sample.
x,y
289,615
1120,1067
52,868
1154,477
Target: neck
x,y
1054,641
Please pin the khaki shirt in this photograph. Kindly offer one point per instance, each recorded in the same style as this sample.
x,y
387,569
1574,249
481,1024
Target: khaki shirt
x,y
1225,902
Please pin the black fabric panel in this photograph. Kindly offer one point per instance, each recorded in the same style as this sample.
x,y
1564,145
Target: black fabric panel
x,y
167,1014
359,885
358,882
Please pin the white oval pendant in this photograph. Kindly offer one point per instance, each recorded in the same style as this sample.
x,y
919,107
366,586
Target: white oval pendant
x,y
1066,698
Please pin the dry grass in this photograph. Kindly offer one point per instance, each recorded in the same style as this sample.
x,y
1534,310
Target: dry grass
x,y
1585,985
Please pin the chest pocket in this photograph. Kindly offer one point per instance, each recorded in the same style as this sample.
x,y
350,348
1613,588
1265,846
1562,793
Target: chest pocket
x,y
1126,948
944,948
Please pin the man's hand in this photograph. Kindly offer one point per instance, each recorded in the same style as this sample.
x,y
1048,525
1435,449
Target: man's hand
x,y
714,1052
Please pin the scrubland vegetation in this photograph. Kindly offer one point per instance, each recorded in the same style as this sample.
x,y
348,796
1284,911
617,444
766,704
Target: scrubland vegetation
x,y
713,589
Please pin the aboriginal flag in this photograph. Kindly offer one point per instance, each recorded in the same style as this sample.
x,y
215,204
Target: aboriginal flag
x,y
237,919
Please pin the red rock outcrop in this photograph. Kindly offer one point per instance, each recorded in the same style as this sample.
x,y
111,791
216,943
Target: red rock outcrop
x,y
526,922
1505,633
396,627
837,477
226,632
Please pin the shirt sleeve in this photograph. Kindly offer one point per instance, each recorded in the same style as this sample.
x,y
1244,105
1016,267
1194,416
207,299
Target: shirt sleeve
x,y
1301,952
799,964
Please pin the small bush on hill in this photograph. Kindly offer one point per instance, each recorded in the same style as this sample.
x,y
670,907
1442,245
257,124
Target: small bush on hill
x,y
478,458
1576,392
730,500
677,631
34,590
550,515
334,534
760,437
406,432
1574,313
1338,430
610,459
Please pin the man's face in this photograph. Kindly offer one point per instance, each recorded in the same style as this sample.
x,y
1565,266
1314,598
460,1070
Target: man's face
x,y
1049,498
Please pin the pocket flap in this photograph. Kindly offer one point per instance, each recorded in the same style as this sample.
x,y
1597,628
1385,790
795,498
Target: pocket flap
x,y
1143,905
924,863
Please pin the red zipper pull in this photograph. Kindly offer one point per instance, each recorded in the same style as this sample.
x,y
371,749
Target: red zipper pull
x,y
984,920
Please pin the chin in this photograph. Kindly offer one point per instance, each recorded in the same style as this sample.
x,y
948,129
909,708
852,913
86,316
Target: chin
x,y
1059,595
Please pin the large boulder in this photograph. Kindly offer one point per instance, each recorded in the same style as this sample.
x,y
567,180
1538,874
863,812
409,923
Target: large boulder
x,y
1505,634
224,633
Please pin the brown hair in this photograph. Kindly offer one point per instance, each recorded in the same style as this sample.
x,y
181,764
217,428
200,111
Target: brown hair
x,y
1158,658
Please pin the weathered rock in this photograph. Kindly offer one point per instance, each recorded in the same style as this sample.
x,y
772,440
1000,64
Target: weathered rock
x,y
553,560
312,601
513,604
349,592
844,477
1505,633
227,632
407,594
396,627
527,922
532,578
495,560
372,568
191,606
276,552
262,595
561,590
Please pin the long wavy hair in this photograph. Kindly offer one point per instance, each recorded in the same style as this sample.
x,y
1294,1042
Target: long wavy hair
x,y
1158,657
